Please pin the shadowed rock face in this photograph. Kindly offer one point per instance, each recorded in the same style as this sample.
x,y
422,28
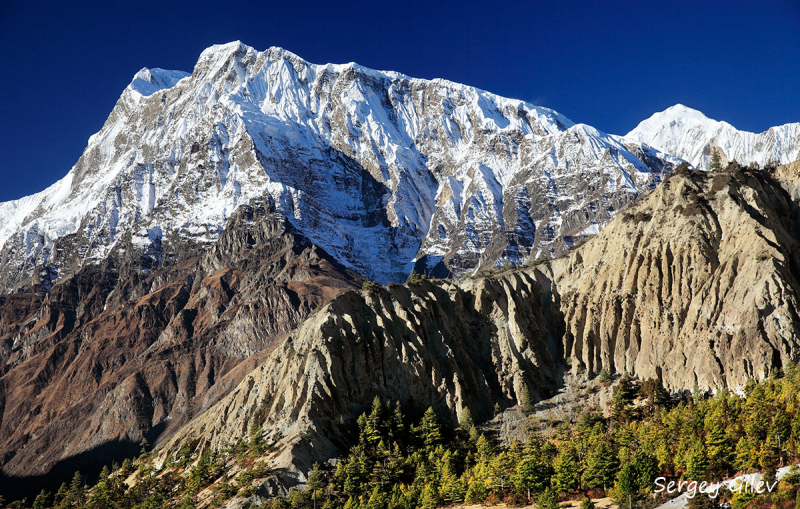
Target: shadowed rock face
x,y
106,357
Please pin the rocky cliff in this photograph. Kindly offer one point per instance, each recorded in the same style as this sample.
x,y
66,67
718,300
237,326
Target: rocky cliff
x,y
106,359
695,283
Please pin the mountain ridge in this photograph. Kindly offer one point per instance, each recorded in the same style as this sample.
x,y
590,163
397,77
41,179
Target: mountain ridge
x,y
447,177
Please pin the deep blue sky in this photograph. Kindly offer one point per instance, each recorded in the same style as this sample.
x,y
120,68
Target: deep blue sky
x,y
607,63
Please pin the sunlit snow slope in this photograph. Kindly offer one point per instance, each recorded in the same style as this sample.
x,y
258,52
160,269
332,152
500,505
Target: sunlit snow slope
x,y
688,134
384,171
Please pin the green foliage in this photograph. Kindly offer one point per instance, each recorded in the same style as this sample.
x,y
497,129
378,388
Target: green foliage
x,y
526,400
416,278
370,286
396,464
716,164
466,421
603,376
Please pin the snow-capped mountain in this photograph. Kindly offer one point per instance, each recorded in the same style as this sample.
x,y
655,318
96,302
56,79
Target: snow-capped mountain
x,y
382,170
690,135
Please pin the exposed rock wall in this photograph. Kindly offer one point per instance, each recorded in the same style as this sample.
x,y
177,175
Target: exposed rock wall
x,y
103,361
433,344
697,281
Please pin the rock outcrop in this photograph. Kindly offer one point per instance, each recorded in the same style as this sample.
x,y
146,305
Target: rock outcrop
x,y
436,344
90,369
697,282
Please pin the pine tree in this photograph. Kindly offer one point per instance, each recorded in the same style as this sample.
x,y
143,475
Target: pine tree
x,y
374,422
61,498
497,409
101,496
716,164
720,452
604,377
76,489
378,499
646,468
566,465
397,427
698,464
547,500
627,486
533,475
256,444
42,500
429,429
601,467
587,503
430,497
465,421
315,482
484,447
526,400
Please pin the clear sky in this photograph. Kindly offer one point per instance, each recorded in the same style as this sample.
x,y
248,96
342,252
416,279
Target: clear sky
x,y
607,63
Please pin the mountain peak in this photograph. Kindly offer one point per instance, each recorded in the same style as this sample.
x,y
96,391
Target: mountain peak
x,y
682,111
690,135
147,82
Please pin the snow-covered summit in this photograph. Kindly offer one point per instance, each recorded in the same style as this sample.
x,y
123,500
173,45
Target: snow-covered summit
x,y
384,171
690,135
149,81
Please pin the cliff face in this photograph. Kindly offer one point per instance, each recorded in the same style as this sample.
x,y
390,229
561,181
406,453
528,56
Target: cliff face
x,y
697,281
433,344
105,359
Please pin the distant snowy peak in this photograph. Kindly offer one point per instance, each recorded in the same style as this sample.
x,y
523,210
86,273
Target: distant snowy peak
x,y
690,135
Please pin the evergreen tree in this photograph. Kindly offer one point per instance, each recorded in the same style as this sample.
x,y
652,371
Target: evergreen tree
x,y
533,475
601,467
397,427
604,377
587,503
378,499
315,482
484,447
374,422
547,500
256,445
646,468
61,499
42,500
526,400
720,451
497,409
430,497
567,477
429,430
697,465
627,485
76,490
716,164
465,421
